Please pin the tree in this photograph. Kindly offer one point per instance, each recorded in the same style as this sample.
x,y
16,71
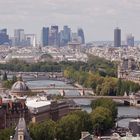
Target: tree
x,y
43,131
4,76
106,103
119,86
6,133
101,120
14,79
85,121
7,84
68,128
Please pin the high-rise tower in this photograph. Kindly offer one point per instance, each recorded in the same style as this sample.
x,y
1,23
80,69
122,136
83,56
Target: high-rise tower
x,y
117,37
130,40
54,36
65,36
19,37
45,36
4,38
81,35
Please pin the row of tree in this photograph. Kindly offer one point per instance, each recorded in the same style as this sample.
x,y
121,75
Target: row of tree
x,y
102,85
95,64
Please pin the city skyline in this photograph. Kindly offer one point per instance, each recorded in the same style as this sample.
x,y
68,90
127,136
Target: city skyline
x,y
96,18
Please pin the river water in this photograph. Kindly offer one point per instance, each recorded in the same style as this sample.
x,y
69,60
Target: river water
x,y
123,110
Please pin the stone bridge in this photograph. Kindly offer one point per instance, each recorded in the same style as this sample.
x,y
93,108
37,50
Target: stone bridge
x,y
62,91
131,100
38,74
128,117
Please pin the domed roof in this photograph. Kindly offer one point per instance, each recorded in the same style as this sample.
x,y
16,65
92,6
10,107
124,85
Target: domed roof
x,y
19,86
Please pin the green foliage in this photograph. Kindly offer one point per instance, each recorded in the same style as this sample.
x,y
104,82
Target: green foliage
x,y
68,128
106,103
8,83
6,133
101,120
94,64
71,126
57,97
43,131
86,124
14,79
102,86
102,66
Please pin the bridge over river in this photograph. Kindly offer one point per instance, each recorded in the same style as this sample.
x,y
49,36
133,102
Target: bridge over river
x,y
127,117
87,93
62,90
127,100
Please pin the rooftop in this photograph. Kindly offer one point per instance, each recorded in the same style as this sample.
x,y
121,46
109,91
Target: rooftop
x,y
36,103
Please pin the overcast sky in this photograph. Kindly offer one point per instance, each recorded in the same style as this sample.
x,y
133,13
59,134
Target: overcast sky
x,y
98,18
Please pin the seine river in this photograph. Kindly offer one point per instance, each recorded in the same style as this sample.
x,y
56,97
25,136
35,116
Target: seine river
x,y
123,110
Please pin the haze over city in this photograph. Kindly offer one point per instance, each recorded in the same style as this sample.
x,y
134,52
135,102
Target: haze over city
x,y
98,18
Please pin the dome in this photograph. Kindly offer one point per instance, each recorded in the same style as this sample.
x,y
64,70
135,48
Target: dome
x,y
19,88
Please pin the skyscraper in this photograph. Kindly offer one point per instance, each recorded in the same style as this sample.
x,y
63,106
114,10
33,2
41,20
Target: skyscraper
x,y
117,37
19,37
54,36
81,35
65,36
45,36
130,40
4,38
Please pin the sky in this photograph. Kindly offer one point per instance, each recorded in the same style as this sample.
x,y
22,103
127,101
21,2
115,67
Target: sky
x,y
98,18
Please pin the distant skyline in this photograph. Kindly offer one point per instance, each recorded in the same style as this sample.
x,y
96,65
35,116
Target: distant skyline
x,y
98,18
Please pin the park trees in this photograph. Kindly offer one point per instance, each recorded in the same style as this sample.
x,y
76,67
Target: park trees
x,y
68,128
101,120
106,103
85,121
103,115
43,131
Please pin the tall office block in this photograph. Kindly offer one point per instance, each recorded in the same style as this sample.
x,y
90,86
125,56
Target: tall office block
x,y
54,36
130,40
65,36
117,37
45,36
4,38
81,35
19,37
